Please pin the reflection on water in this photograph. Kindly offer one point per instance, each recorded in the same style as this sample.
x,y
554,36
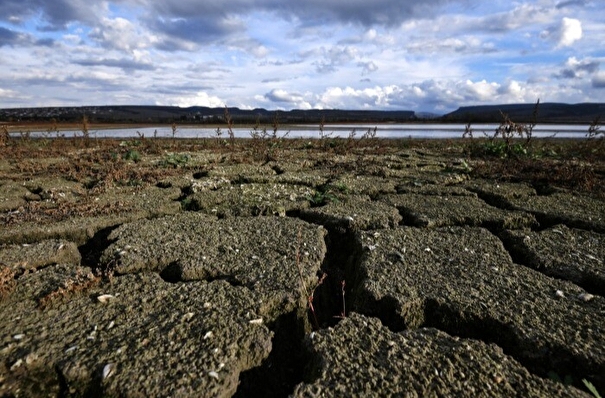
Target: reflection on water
x,y
339,130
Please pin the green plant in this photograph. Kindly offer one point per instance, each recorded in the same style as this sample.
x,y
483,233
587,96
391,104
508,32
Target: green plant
x,y
328,193
132,155
320,198
591,388
505,142
175,160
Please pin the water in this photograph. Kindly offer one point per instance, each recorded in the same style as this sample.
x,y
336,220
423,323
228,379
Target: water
x,y
424,131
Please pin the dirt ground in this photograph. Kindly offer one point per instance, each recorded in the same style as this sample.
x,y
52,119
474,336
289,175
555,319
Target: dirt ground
x,y
282,267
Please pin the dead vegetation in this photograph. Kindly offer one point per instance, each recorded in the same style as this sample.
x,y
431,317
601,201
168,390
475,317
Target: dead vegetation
x,y
80,282
7,281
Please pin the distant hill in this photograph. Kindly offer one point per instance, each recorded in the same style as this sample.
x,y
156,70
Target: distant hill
x,y
197,114
150,114
547,113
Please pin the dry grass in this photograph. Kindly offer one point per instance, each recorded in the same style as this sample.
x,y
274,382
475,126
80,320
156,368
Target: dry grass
x,y
7,281
79,283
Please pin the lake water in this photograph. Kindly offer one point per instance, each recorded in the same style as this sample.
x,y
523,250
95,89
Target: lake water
x,y
339,130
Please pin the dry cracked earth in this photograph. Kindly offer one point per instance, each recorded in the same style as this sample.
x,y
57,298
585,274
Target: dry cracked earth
x,y
312,274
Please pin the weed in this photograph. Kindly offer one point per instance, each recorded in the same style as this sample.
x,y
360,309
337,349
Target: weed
x,y
308,295
594,129
468,131
132,155
320,198
343,314
591,388
265,145
4,135
504,143
174,130
230,132
175,160
322,133
328,193
85,131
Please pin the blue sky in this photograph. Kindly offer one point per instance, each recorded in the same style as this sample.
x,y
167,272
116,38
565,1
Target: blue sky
x,y
430,55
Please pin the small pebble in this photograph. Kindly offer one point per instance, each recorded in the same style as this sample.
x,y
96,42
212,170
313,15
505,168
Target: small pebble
x,y
585,297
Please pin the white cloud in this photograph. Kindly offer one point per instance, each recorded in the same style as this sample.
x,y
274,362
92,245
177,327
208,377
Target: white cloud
x,y
281,96
570,31
121,34
200,99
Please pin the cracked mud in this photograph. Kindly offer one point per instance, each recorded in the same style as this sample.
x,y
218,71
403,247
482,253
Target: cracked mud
x,y
360,274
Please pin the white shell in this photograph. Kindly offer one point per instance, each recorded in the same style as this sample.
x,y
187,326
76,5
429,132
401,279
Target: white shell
x,y
208,335
258,321
108,370
213,374
104,298
585,297
559,293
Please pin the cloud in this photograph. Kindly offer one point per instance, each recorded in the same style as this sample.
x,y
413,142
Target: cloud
x,y
281,96
522,16
575,69
54,14
570,31
332,58
11,94
9,37
367,67
121,34
200,99
571,3
598,80
452,45
377,12
124,64
185,33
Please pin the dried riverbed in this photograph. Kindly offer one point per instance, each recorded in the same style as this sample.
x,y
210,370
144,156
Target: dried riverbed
x,y
187,271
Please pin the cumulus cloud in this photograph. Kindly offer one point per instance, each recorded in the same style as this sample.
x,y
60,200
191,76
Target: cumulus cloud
x,y
281,96
332,58
200,99
120,33
575,68
570,31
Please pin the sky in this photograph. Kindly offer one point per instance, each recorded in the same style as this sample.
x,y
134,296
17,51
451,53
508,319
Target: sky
x,y
426,56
